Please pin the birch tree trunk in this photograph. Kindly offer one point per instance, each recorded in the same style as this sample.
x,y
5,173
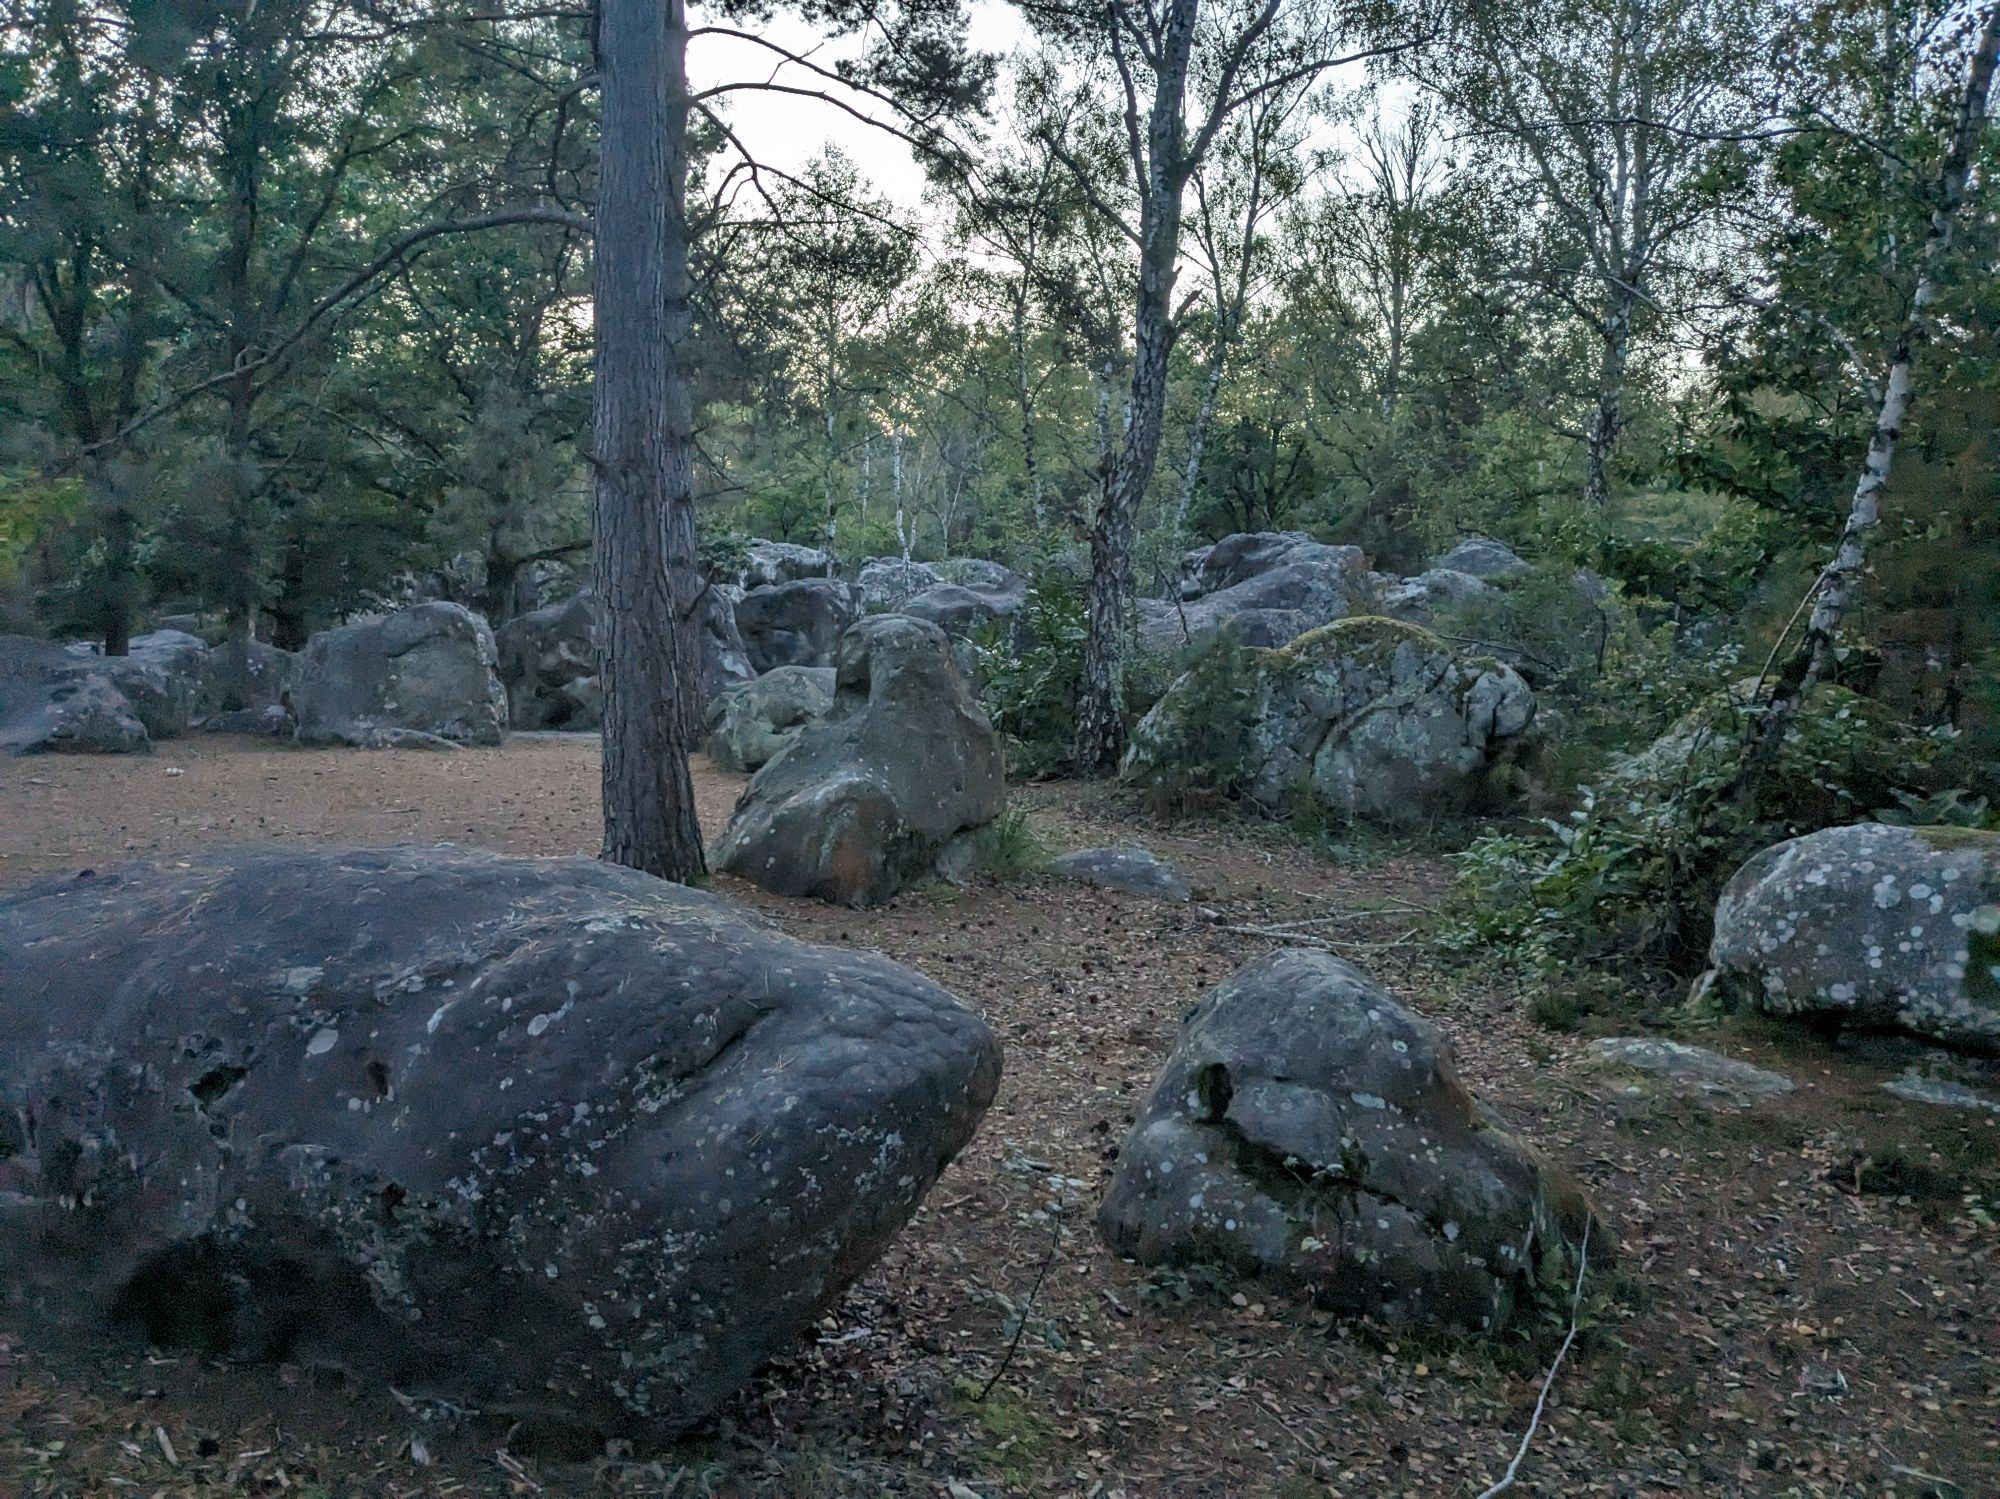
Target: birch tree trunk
x,y
1609,415
1809,663
642,495
1198,437
1100,726
1030,459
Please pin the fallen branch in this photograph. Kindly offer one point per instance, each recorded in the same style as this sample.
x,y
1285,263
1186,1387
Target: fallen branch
x,y
1021,1318
1548,1380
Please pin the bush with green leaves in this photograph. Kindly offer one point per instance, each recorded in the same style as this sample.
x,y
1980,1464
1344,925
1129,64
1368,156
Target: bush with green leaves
x,y
1216,714
1031,669
1634,871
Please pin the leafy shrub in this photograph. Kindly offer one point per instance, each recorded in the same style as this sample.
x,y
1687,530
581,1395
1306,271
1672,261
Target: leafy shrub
x,y
1635,870
1555,626
1211,737
1031,668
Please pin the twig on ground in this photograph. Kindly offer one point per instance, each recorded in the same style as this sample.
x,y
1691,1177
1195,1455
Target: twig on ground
x,y
1513,1472
1021,1320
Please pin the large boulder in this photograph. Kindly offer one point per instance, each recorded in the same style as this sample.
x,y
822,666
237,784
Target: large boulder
x,y
750,723
1869,926
725,660
540,1136
958,610
245,676
1278,576
1310,1130
769,562
424,672
54,701
542,655
1417,600
1482,557
1378,720
548,660
795,624
885,583
164,675
864,800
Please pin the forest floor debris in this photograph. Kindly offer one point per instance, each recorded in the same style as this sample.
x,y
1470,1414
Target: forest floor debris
x,y
1802,1304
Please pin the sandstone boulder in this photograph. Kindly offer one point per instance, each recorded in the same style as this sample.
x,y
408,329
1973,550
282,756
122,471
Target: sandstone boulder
x,y
423,672
1869,926
543,1137
1311,1131
1482,557
52,701
795,624
884,583
750,723
1379,720
864,800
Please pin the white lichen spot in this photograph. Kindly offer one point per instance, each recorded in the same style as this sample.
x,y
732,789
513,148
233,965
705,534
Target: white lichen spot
x,y
323,1041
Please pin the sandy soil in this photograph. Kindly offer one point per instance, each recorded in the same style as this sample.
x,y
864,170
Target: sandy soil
x,y
1803,1302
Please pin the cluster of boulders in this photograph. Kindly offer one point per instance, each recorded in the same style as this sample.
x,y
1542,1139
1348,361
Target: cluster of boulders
x,y
426,674
69,699
863,800
1367,717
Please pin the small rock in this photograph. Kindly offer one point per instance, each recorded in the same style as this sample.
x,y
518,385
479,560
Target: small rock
x,y
1130,869
1693,1071
1917,1088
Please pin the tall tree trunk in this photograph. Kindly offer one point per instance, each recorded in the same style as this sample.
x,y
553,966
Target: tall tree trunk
x,y
1810,661
642,494
1100,719
1198,436
1030,459
1609,414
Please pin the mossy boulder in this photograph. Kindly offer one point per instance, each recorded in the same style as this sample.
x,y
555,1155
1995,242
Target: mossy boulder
x,y
1374,718
1869,926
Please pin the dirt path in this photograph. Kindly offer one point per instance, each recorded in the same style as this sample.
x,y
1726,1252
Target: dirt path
x,y
1804,1303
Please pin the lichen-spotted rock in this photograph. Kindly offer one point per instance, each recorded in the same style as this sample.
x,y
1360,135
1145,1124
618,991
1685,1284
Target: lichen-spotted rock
x,y
543,1136
1869,926
864,799
1310,1130
1376,719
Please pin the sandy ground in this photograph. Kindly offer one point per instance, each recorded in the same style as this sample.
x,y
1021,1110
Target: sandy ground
x,y
1803,1302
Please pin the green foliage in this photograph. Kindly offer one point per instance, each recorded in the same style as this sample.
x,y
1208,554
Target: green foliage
x,y
1031,670
1635,870
1213,710
1010,846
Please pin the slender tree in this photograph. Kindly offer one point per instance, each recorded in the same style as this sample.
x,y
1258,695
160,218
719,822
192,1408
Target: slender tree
x,y
1834,589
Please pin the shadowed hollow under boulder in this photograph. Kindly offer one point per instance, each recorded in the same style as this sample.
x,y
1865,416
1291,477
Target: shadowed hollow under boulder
x,y
537,1136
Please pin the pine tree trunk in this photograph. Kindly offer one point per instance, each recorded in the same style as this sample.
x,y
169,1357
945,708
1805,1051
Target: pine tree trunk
x,y
642,496
1100,720
1809,663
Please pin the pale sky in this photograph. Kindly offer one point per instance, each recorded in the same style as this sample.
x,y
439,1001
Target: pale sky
x,y
788,132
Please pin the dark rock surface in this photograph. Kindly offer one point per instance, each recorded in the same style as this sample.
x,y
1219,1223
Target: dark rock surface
x,y
1311,1131
540,1137
749,724
795,624
1132,870
52,701
428,670
864,800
